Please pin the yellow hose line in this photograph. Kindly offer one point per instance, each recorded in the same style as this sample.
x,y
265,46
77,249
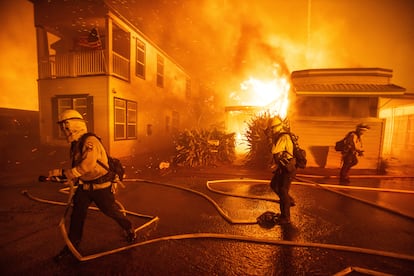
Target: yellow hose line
x,y
345,187
26,193
218,208
209,182
315,184
352,249
306,183
213,235
358,176
323,186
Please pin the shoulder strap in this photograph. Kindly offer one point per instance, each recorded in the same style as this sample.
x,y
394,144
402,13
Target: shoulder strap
x,y
83,138
103,165
280,134
82,142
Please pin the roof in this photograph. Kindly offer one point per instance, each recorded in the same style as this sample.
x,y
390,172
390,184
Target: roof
x,y
348,89
342,72
345,82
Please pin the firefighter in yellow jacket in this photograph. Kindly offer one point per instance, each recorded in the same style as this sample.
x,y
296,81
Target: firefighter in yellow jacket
x,y
285,168
94,182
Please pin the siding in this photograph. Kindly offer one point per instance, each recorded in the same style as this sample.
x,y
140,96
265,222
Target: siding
x,y
318,136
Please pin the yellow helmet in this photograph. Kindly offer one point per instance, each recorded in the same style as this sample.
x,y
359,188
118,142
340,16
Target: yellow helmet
x,y
276,121
69,115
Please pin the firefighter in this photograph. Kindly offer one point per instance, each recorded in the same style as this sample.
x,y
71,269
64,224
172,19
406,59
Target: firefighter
x,y
94,183
284,167
352,150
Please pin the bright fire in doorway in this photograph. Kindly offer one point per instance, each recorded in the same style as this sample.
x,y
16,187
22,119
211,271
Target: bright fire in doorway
x,y
256,97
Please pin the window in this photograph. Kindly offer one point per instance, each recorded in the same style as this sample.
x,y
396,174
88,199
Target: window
x,y
160,71
140,59
125,119
80,103
121,48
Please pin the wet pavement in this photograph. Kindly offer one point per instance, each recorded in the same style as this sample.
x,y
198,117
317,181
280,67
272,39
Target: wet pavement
x,y
207,225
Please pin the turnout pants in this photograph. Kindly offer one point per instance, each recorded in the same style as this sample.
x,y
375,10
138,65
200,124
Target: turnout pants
x,y
349,160
280,184
104,200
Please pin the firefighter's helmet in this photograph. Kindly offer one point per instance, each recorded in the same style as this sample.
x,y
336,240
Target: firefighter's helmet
x,y
276,121
72,125
278,124
69,114
362,126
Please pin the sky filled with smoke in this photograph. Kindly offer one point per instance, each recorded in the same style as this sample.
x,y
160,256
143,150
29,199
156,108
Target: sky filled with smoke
x,y
223,42
18,73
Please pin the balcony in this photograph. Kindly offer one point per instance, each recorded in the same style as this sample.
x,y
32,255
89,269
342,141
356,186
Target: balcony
x,y
83,63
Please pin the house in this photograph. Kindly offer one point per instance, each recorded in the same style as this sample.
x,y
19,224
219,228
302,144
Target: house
x,y
92,59
398,145
331,102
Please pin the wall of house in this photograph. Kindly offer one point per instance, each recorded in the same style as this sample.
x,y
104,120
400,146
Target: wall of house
x,y
318,135
399,131
94,86
155,104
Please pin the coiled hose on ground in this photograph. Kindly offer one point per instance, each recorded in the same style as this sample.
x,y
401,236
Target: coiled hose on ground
x,y
154,219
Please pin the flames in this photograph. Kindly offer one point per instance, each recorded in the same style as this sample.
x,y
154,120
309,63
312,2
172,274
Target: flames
x,y
272,96
269,96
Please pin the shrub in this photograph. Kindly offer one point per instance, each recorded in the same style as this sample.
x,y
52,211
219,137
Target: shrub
x,y
196,148
259,141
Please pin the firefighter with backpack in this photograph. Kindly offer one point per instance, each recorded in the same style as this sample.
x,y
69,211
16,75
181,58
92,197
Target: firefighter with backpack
x,y
93,181
351,149
284,167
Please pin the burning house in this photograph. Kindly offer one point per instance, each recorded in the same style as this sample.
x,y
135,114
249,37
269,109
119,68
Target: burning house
x,y
92,59
331,102
323,105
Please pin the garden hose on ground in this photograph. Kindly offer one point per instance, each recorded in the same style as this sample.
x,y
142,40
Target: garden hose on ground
x,y
315,184
214,235
328,187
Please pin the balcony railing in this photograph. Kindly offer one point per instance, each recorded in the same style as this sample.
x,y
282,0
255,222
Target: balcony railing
x,y
120,66
82,63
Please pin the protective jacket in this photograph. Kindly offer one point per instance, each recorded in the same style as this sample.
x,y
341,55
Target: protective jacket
x,y
84,162
282,148
353,143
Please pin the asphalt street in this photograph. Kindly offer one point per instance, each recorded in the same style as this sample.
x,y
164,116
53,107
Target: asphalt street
x,y
206,225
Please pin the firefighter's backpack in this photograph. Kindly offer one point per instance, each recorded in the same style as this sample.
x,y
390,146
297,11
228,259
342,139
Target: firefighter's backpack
x,y
114,164
298,152
342,144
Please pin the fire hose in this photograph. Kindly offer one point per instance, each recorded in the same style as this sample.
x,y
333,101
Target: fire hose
x,y
155,219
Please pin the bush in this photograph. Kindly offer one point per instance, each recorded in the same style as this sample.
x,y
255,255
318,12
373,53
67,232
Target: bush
x,y
259,141
196,148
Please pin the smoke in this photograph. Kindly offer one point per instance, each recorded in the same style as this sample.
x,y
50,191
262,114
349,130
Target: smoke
x,y
222,41
18,54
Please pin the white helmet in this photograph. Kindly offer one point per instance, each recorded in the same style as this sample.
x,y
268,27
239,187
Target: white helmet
x,y
68,115
72,125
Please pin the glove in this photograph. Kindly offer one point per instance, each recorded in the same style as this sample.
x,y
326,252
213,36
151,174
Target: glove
x,y
55,172
69,174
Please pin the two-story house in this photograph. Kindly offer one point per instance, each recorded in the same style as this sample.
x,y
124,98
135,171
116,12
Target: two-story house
x,y
92,59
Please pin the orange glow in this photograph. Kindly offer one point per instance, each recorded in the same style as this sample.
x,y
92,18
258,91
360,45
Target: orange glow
x,y
272,96
263,96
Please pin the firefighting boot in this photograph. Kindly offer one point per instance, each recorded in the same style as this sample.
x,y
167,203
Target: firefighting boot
x,y
131,236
